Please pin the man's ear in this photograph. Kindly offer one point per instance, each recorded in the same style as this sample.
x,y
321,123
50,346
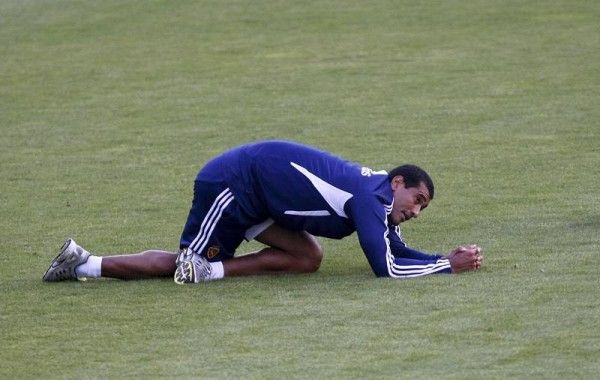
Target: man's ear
x,y
397,181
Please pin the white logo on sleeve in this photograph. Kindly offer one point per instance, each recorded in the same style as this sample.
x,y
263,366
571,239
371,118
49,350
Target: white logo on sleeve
x,y
367,172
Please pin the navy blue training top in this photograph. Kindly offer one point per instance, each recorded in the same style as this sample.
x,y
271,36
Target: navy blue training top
x,y
304,188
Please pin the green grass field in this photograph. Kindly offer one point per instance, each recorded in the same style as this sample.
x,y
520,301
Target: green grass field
x,y
108,109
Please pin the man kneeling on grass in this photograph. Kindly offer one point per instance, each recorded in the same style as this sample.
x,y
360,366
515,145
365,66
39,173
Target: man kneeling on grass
x,y
283,194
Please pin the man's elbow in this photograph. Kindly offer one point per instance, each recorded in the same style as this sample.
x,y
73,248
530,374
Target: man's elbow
x,y
381,271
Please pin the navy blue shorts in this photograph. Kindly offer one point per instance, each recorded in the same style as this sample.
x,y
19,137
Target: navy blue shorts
x,y
213,228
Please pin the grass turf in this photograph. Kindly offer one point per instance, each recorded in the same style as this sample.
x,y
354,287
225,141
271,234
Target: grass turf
x,y
108,110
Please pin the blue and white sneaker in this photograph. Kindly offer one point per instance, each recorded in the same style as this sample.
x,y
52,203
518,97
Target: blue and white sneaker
x,y
191,268
63,266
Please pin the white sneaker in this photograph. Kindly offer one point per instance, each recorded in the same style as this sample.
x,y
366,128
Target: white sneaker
x,y
63,266
191,268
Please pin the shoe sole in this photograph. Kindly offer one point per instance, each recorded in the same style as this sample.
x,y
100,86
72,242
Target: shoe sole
x,y
188,279
60,259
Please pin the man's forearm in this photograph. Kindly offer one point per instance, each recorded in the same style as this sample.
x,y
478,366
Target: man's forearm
x,y
409,253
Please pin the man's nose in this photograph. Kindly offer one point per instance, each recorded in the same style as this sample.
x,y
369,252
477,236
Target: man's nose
x,y
416,211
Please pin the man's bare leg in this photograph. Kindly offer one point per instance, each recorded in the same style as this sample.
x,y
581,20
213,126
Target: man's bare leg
x,y
146,264
287,252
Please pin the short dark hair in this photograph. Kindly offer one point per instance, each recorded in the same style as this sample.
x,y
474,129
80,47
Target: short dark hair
x,y
413,176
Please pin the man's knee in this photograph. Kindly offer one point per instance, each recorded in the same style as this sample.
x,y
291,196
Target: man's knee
x,y
312,255
301,247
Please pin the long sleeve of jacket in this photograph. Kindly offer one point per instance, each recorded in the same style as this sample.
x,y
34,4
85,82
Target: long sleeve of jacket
x,y
387,254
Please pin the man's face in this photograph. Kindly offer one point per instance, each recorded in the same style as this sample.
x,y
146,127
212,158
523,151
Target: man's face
x,y
408,202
